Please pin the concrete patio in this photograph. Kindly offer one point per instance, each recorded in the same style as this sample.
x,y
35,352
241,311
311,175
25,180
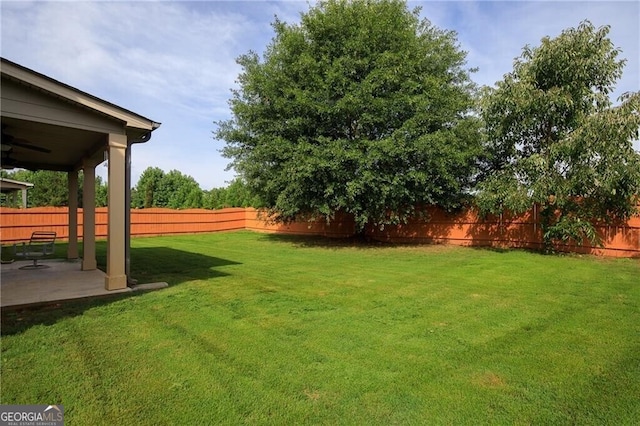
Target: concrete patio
x,y
61,280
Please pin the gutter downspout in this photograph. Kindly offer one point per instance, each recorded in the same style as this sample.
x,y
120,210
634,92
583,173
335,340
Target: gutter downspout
x,y
127,204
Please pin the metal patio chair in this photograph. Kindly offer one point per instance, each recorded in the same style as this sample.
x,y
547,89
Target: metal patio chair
x,y
40,245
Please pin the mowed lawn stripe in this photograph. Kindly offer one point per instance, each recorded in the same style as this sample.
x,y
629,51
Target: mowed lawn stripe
x,y
266,329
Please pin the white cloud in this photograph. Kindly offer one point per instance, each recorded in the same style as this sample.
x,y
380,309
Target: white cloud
x,y
494,33
174,62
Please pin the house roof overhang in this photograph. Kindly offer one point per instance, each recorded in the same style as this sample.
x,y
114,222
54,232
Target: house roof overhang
x,y
10,185
50,125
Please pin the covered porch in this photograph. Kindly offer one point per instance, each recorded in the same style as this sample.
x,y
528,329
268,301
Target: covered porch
x,y
61,280
48,125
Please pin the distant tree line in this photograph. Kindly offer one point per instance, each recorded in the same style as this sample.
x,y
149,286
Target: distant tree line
x,y
50,188
174,190
155,188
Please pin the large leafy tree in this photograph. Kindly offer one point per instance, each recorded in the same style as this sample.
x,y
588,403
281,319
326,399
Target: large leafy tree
x,y
179,191
362,107
145,193
175,190
235,194
49,188
238,195
556,139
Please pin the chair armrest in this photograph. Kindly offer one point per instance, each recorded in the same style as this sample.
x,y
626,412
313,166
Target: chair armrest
x,y
15,248
48,248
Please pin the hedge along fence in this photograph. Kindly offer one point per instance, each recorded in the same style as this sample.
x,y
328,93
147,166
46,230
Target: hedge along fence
x,y
465,228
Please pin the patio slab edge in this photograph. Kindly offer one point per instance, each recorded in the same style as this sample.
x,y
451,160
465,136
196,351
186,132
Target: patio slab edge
x,y
149,286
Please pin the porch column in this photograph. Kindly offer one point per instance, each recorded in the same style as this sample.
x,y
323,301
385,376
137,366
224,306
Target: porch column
x,y
24,198
89,216
116,275
72,183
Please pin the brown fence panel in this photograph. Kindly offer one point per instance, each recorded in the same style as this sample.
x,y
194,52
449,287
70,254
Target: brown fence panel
x,y
18,224
342,226
157,221
463,228
622,240
517,231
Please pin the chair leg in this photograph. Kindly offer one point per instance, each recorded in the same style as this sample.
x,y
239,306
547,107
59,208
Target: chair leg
x,y
35,265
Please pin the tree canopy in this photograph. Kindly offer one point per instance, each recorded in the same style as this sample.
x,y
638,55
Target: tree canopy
x,y
174,190
362,107
235,194
555,138
145,193
154,188
51,188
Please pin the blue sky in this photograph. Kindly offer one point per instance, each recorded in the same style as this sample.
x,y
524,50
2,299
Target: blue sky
x,y
174,62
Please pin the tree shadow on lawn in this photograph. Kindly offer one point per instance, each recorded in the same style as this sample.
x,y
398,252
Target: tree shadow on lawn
x,y
17,320
308,241
355,242
149,264
334,243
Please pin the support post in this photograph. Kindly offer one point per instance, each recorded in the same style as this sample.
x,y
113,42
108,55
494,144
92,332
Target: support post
x,y
127,217
72,184
89,216
116,277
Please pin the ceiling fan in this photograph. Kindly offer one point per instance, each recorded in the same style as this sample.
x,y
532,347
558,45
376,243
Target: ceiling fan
x,y
9,141
7,162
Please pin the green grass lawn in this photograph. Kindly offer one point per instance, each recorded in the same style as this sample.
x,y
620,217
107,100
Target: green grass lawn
x,y
264,329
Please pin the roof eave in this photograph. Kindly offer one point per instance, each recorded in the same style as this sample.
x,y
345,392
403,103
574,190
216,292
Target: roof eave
x,y
74,95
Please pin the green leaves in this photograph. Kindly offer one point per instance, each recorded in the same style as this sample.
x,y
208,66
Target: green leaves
x,y
155,188
554,138
236,194
362,108
51,188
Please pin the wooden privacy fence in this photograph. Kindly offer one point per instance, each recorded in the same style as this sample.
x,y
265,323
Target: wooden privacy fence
x,y
465,228
17,224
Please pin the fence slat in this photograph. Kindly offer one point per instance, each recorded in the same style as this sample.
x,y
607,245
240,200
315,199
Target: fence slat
x,y
465,228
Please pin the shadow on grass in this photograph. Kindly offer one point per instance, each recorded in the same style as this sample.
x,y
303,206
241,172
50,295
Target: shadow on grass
x,y
495,249
310,241
151,264
355,242
19,319
306,241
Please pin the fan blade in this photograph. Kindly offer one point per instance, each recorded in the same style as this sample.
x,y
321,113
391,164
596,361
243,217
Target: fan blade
x,y
24,144
7,161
